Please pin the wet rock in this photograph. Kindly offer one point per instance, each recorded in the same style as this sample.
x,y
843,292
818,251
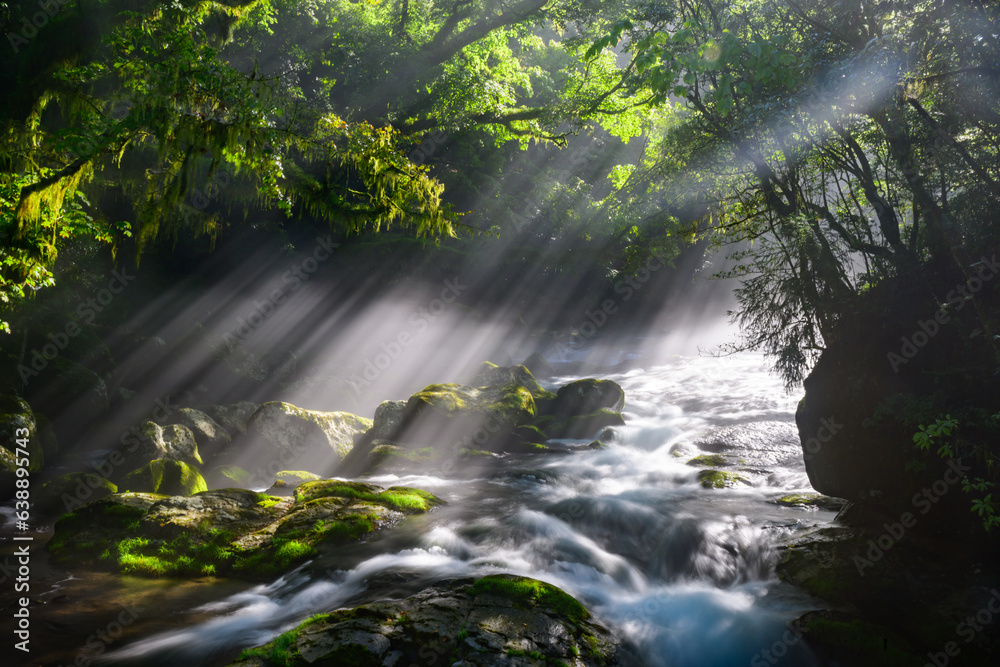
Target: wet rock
x,y
720,479
583,426
586,396
904,602
810,501
709,460
495,620
451,426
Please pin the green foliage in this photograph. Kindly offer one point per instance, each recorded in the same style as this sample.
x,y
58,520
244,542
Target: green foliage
x,y
801,138
940,433
940,429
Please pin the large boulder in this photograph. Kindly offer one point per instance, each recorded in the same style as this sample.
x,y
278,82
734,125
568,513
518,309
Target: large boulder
x,y
451,413
388,421
583,397
900,360
210,436
149,441
317,441
495,620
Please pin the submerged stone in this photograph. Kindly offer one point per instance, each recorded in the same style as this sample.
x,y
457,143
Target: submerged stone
x,y
719,479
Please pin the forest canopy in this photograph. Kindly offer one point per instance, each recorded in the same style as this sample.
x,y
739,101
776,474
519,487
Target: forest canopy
x,y
830,145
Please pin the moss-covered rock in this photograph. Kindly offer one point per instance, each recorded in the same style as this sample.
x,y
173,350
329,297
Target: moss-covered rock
x,y
460,410
709,460
71,490
508,413
721,479
318,441
496,620
903,600
172,478
80,536
19,430
810,500
492,375
286,481
228,531
149,442
401,498
295,477
208,434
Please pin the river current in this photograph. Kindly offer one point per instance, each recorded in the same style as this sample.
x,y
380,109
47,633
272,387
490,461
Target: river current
x,y
685,573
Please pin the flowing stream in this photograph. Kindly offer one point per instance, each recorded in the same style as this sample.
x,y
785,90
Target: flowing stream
x,y
684,572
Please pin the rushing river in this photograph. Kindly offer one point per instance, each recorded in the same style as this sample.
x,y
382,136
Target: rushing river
x,y
686,573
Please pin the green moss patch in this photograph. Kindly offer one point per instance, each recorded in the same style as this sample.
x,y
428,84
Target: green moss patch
x,y
805,500
709,460
400,498
720,479
228,531
527,593
174,478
